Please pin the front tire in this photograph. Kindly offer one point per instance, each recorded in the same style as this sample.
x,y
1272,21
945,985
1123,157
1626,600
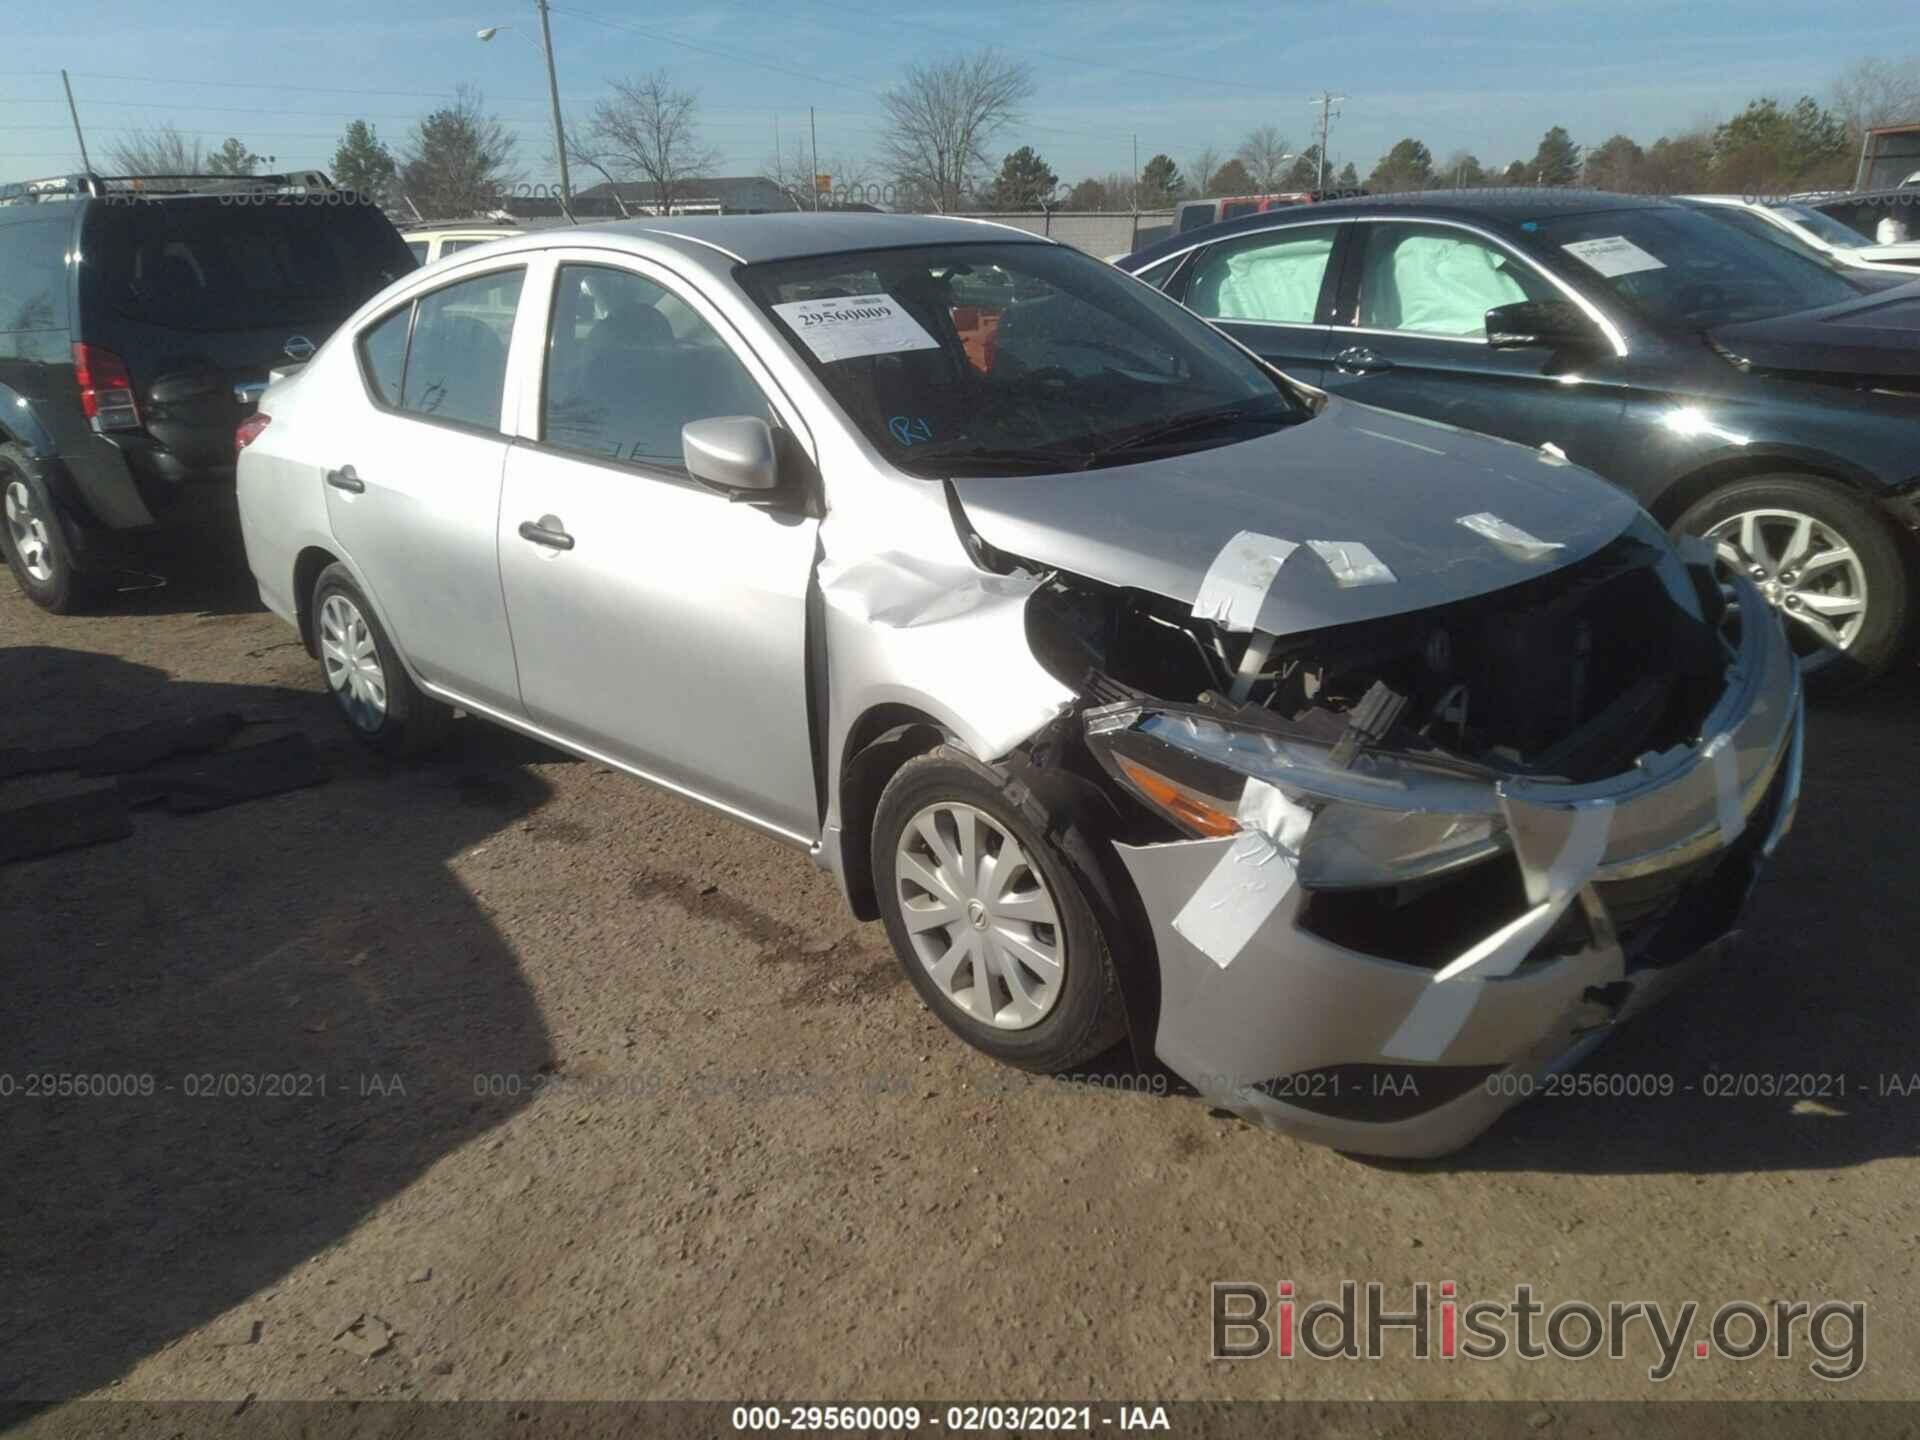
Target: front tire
x,y
376,696
1829,566
989,918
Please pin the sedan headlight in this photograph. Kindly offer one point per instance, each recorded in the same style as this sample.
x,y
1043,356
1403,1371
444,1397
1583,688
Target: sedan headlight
x,y
1383,819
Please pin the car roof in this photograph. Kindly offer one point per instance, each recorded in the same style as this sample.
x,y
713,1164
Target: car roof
x,y
752,239
1501,207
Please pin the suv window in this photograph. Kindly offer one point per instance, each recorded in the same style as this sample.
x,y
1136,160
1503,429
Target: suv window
x,y
199,264
33,275
1274,277
629,363
457,361
1435,280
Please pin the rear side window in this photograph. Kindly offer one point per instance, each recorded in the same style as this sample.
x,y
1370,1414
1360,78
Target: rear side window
x,y
457,362
384,351
445,356
207,265
33,275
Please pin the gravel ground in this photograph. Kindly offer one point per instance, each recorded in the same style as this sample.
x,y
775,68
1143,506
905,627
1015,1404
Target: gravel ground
x,y
620,1102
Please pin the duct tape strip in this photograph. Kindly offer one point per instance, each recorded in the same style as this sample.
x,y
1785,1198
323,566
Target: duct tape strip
x,y
1448,1001
1352,563
1510,538
1236,584
1726,787
1248,883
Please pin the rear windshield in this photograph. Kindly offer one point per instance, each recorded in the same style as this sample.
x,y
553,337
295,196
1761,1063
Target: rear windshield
x,y
218,265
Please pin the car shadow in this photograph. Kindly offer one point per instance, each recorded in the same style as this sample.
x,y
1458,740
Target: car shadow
x,y
230,1037
193,563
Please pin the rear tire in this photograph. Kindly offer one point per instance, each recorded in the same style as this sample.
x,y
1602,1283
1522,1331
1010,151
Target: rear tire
x,y
363,672
35,542
1016,902
1856,590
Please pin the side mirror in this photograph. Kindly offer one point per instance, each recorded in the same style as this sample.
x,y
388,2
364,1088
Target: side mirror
x,y
731,452
1556,324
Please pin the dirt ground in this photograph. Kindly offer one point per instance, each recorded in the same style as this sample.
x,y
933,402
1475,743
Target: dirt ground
x,y
620,1102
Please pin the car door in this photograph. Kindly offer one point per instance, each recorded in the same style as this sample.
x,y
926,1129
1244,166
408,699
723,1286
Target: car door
x,y
1411,336
413,487
1272,291
657,622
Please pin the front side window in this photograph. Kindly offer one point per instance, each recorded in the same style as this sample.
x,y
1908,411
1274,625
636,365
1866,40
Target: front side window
x,y
629,363
1009,358
1274,277
1435,280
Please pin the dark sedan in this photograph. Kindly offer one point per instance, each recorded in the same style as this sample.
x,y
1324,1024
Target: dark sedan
x,y
1737,389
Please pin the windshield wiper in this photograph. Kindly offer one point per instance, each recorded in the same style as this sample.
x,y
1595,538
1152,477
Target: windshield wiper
x,y
1016,460
1253,412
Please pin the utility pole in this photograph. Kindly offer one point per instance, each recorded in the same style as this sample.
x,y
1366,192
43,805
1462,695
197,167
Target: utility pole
x,y
553,94
815,133
1326,100
1133,190
85,163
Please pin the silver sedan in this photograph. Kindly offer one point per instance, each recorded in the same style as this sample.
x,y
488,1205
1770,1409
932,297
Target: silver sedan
x,y
1355,768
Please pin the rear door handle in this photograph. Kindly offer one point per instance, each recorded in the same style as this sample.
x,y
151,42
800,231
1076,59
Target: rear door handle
x,y
1358,359
345,479
546,531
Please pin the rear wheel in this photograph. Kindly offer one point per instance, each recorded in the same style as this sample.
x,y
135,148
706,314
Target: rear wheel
x,y
364,674
35,545
1824,561
990,918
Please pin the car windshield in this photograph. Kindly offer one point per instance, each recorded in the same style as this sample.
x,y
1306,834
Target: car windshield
x,y
984,359
1686,268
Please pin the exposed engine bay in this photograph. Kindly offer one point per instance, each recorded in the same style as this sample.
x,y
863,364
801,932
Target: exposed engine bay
x,y
1568,676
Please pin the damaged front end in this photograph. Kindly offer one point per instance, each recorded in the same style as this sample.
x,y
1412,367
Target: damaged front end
x,y
1387,864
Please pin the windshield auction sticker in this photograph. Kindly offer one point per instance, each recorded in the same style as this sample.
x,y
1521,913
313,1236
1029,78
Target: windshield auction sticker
x,y
849,326
1613,255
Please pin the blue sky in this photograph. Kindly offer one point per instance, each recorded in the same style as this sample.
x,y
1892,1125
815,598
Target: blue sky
x,y
1487,75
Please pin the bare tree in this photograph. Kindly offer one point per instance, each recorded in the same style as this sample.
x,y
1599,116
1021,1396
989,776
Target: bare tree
x,y
163,151
1201,168
650,129
792,168
1265,153
1878,92
940,119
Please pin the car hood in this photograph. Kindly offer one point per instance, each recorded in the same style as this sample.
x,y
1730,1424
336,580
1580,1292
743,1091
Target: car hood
x,y
1398,485
1877,334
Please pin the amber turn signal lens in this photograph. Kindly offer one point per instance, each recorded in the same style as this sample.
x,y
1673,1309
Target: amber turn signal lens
x,y
1186,806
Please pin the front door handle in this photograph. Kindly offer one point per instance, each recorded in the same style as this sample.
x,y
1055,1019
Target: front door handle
x,y
1358,360
546,531
345,479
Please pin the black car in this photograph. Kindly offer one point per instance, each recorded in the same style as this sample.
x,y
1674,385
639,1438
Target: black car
x,y
1739,390
138,321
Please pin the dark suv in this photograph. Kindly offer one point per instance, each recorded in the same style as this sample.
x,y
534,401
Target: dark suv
x,y
138,321
1766,399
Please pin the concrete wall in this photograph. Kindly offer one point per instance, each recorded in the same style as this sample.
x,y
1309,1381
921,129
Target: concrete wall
x,y
1097,232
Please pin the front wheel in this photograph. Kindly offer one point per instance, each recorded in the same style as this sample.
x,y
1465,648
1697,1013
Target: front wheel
x,y
990,918
363,671
1824,561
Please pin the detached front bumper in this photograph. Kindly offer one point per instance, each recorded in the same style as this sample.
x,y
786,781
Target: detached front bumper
x,y
1608,896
